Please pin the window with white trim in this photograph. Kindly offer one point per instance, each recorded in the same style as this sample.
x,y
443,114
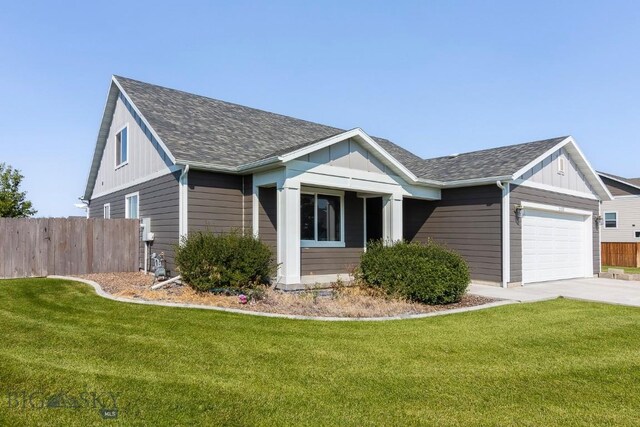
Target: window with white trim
x,y
637,234
132,206
107,210
611,220
122,147
321,219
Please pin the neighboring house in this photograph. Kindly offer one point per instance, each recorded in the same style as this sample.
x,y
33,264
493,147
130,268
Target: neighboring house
x,y
315,194
621,216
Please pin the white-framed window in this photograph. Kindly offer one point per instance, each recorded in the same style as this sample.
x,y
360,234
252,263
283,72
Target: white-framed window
x,y
122,147
611,220
562,165
637,234
132,205
106,209
321,218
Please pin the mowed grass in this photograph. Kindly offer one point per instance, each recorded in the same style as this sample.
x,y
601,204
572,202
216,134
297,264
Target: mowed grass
x,y
551,363
628,270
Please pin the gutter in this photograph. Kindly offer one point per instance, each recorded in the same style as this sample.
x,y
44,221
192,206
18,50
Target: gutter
x,y
506,231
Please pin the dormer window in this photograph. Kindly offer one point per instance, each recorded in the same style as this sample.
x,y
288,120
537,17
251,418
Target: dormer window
x,y
122,148
562,165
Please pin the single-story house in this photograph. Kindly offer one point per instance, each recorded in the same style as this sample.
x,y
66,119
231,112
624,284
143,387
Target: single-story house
x,y
621,215
316,194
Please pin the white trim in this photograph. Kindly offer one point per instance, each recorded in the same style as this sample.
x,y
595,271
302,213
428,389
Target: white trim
x,y
183,193
146,122
604,220
353,133
323,243
587,229
135,194
620,181
288,232
115,146
356,180
364,222
506,233
134,182
106,208
552,208
559,190
581,162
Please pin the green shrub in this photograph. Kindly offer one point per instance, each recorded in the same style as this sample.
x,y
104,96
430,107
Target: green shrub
x,y
427,273
208,261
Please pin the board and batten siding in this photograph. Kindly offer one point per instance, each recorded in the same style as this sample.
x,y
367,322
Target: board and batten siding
x,y
319,261
546,172
628,210
519,194
218,202
145,156
466,220
347,154
158,200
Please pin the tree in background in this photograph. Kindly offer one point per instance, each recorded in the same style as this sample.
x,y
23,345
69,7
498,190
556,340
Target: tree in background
x,y
13,203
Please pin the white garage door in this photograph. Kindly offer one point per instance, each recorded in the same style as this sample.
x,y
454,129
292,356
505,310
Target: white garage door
x,y
555,246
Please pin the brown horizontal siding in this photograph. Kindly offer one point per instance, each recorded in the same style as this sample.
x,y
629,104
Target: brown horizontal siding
x,y
159,201
267,217
215,202
339,260
519,194
466,220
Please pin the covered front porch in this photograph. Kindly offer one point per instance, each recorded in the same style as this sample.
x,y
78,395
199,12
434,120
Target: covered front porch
x,y
317,217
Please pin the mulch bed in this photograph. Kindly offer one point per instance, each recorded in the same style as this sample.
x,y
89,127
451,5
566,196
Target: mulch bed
x,y
344,302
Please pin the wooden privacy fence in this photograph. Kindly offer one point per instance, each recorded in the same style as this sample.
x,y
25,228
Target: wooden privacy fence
x,y
33,247
621,254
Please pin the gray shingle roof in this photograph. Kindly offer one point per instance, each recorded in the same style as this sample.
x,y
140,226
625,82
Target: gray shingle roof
x,y
632,181
205,130
493,162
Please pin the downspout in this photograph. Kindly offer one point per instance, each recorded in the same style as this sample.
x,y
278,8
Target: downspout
x,y
183,202
506,234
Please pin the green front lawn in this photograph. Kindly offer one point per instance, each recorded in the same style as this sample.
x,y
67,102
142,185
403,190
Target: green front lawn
x,y
628,270
557,362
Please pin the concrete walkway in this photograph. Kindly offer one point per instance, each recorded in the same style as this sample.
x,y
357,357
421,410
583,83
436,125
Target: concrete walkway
x,y
599,290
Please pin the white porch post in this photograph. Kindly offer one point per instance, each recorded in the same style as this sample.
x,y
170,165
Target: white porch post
x,y
289,232
392,218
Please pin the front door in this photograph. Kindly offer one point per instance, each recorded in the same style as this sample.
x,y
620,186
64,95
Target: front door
x,y
373,218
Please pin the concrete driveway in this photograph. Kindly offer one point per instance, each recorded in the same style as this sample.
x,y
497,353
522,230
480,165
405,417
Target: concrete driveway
x,y
599,290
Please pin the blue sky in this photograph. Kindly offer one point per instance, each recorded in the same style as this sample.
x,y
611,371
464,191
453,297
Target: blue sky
x,y
437,77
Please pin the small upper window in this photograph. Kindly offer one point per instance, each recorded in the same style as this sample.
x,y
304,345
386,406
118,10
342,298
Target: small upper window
x,y
107,211
562,165
132,206
637,234
610,220
122,148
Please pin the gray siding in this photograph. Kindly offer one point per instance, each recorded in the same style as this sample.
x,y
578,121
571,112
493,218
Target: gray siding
x,y
347,154
466,220
628,209
527,194
268,217
145,154
546,172
619,189
159,200
216,202
339,260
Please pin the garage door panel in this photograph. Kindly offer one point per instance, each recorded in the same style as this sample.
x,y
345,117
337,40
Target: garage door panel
x,y
554,245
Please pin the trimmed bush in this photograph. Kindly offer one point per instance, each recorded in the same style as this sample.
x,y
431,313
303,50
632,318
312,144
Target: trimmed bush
x,y
427,273
209,261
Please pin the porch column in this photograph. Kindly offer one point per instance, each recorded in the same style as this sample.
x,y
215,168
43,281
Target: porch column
x,y
289,232
392,217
